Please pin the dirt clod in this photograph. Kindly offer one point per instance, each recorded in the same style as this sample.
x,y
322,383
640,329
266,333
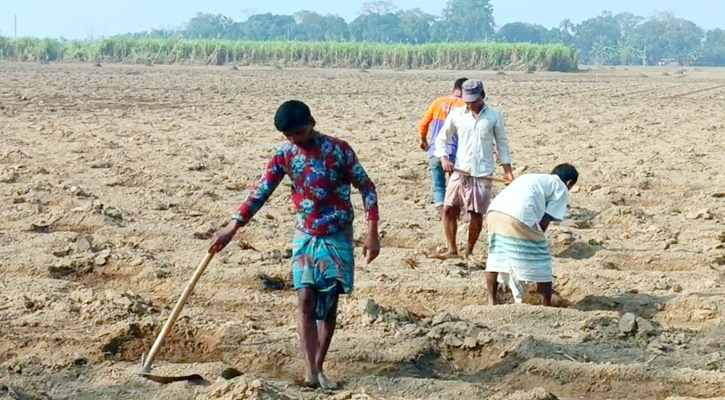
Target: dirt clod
x,y
273,282
627,323
231,373
646,327
84,243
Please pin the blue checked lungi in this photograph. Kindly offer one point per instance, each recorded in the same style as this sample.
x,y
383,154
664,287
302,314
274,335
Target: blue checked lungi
x,y
326,263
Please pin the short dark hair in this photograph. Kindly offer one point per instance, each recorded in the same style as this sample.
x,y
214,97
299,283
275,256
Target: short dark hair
x,y
458,84
291,115
566,172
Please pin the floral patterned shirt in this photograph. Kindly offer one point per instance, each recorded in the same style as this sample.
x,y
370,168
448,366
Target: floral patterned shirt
x,y
321,181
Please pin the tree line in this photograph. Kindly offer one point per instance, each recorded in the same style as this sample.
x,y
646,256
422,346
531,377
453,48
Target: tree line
x,y
606,39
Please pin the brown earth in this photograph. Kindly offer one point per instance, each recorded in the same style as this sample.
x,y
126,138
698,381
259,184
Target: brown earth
x,y
113,179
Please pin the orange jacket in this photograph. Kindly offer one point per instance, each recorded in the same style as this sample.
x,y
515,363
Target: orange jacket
x,y
434,118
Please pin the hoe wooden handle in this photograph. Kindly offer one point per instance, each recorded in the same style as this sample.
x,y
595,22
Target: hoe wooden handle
x,y
146,361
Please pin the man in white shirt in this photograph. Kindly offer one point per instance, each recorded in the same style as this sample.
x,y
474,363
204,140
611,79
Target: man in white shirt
x,y
478,126
517,221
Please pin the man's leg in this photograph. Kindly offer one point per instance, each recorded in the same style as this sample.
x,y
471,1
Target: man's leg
x,y
326,328
478,201
545,289
439,184
474,231
450,223
451,213
307,328
492,287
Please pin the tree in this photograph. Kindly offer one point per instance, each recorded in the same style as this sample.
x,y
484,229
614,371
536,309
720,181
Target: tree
x,y
269,26
714,47
337,28
248,12
414,26
607,38
667,37
627,23
567,26
377,22
597,33
566,31
209,26
684,40
381,28
628,53
465,21
310,26
601,52
651,35
522,32
378,7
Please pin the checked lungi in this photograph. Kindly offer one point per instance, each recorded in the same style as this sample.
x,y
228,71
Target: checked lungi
x,y
326,263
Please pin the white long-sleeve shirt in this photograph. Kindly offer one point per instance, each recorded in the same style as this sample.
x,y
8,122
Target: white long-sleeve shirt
x,y
475,140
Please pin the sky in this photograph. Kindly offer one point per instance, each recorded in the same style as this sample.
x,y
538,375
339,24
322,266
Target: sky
x,y
80,19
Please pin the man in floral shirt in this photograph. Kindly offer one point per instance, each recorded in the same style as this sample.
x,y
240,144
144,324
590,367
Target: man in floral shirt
x,y
321,169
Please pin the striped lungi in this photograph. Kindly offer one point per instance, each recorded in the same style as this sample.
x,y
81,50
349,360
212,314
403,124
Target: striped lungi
x,y
518,250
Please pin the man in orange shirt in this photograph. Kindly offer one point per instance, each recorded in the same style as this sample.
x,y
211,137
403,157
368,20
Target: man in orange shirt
x,y
432,121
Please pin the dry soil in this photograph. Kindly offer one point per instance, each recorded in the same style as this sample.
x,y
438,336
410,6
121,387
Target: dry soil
x,y
113,178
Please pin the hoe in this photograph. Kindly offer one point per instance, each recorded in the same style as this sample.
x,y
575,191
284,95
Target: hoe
x,y
147,360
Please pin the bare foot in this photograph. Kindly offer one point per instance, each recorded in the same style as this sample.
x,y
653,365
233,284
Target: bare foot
x,y
311,382
449,255
326,383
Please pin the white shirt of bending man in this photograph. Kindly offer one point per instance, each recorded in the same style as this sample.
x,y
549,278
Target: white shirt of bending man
x,y
476,136
532,196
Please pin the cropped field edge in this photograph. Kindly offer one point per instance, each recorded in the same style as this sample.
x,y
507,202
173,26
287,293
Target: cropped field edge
x,y
470,56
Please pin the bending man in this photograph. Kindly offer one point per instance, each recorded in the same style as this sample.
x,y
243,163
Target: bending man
x,y
517,221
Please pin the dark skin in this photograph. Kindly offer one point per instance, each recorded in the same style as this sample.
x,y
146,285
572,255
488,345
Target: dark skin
x,y
451,213
315,336
545,289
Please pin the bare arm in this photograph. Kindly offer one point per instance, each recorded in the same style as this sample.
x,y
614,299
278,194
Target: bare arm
x,y
544,223
265,187
360,180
